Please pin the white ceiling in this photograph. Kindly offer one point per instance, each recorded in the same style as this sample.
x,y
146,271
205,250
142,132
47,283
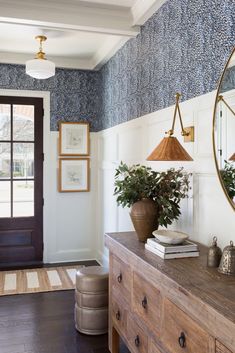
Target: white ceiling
x,y
21,39
81,33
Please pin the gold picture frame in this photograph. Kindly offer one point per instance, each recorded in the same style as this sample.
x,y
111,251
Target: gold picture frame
x,y
74,139
74,175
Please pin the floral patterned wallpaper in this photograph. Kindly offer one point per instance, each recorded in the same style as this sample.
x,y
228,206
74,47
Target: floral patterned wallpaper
x,y
182,47
75,94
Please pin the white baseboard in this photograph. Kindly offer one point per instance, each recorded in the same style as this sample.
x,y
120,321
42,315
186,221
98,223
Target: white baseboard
x,y
71,256
102,259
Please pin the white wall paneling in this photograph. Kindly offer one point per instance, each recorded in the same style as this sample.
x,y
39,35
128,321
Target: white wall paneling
x,y
75,218
206,212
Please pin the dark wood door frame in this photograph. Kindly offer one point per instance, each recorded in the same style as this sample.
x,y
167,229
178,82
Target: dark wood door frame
x,y
26,246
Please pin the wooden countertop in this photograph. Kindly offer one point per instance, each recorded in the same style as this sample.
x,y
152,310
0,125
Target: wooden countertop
x,y
191,275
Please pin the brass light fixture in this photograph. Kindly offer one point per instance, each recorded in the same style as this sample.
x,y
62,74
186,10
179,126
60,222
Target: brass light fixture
x,y
40,67
170,149
221,99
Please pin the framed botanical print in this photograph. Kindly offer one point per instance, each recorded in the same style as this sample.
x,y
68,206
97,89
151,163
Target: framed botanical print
x,y
74,139
74,174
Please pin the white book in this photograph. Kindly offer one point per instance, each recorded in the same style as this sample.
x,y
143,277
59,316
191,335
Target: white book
x,y
173,255
170,248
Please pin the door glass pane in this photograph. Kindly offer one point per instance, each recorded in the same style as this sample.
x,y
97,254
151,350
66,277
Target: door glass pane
x,y
23,122
23,160
5,122
23,198
5,199
5,160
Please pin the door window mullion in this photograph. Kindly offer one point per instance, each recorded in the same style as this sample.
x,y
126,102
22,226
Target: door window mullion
x,y
11,163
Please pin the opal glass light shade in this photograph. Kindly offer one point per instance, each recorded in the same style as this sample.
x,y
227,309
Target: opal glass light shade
x,y
40,68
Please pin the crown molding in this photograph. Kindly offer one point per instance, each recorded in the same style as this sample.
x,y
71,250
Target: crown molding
x,y
80,17
142,10
107,50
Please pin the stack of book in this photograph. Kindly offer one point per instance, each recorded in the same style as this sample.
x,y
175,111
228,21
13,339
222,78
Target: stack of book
x,y
169,251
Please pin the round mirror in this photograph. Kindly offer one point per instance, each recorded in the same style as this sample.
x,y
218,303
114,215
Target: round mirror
x,y
224,130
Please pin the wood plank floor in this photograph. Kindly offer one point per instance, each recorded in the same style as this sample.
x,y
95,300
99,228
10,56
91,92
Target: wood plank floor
x,y
44,323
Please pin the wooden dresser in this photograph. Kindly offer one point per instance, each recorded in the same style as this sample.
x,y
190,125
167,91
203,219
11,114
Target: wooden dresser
x,y
171,306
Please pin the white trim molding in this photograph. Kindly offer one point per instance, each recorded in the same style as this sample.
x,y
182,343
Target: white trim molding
x,y
142,10
48,210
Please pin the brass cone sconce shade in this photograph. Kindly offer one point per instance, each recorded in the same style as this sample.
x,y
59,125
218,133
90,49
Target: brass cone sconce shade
x,y
170,149
232,158
40,67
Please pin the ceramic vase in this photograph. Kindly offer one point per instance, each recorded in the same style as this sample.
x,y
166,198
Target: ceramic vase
x,y
144,216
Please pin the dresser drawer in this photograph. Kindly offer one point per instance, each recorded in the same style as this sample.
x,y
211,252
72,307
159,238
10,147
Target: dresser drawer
x,y
147,303
137,339
180,334
119,316
154,348
121,279
220,348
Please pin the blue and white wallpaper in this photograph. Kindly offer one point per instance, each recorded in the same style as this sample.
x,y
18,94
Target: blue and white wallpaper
x,y
75,94
183,47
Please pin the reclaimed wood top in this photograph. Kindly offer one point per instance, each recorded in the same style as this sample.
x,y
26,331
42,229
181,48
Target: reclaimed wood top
x,y
191,274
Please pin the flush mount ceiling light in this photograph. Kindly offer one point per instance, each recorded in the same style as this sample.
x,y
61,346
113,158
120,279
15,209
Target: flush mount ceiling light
x,y
40,67
170,149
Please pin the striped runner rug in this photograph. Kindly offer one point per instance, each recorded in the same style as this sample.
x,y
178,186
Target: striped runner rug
x,y
38,280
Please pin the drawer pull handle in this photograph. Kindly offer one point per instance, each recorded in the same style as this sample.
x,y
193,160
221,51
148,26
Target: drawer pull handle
x,y
137,341
182,340
118,315
119,278
144,303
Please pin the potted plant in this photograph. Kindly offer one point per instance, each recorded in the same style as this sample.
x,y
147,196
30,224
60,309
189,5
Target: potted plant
x,y
228,177
154,197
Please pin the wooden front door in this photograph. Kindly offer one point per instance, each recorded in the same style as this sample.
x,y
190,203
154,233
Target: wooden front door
x,y
21,181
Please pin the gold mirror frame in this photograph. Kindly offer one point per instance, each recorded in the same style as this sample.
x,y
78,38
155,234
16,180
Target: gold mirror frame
x,y
213,130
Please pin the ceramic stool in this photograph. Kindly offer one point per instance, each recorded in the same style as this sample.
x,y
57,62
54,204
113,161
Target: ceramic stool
x,y
91,300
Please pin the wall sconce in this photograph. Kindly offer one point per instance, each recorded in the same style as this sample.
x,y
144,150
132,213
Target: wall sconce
x,y
221,99
170,149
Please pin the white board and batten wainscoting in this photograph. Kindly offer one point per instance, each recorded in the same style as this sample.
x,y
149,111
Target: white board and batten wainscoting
x,y
75,223
206,213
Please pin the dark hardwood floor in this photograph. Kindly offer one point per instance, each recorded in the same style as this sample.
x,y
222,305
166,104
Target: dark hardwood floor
x,y
44,323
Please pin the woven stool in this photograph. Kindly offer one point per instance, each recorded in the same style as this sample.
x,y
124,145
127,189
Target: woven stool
x,y
91,296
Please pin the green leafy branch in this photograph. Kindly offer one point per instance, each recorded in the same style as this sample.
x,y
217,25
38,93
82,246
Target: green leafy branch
x,y
166,189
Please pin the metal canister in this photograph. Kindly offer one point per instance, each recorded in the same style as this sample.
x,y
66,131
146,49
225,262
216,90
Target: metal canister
x,y
227,263
214,254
